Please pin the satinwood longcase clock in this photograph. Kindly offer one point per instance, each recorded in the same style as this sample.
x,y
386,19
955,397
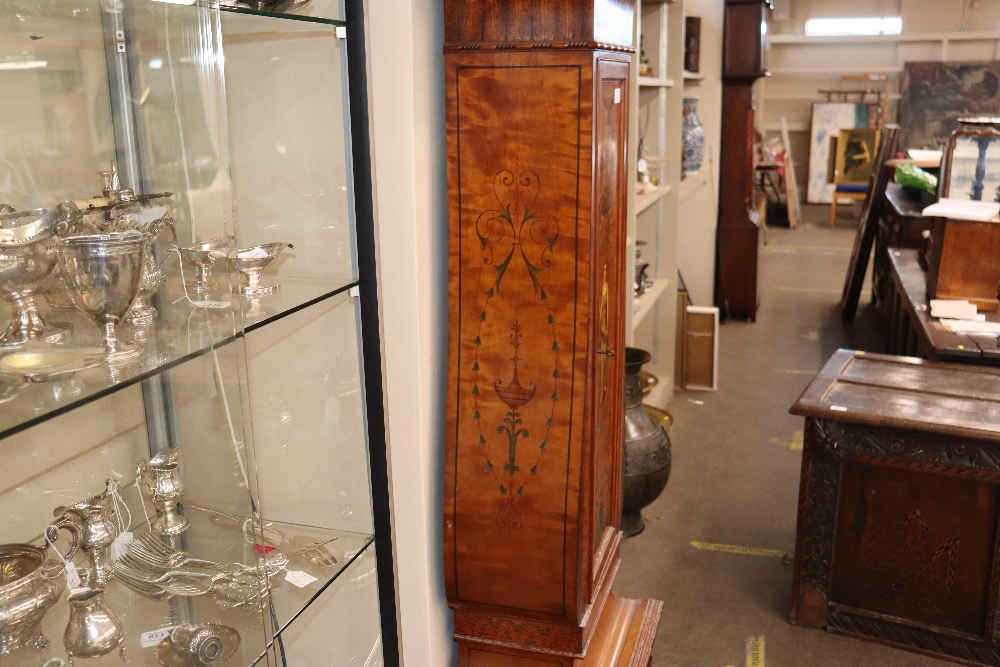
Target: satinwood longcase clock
x,y
537,115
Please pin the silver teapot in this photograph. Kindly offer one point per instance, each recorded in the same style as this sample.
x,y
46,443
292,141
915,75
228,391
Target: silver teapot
x,y
30,585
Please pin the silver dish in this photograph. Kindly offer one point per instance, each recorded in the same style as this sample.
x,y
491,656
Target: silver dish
x,y
249,264
29,586
103,272
49,365
28,268
203,257
196,645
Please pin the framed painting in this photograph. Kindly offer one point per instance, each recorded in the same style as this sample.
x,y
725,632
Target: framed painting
x,y
855,156
828,119
934,95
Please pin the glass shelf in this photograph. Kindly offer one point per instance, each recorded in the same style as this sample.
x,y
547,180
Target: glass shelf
x,y
182,332
303,17
222,543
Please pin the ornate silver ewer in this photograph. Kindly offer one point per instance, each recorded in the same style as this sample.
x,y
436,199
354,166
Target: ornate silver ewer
x,y
93,532
28,268
93,629
251,261
30,585
103,272
161,483
203,256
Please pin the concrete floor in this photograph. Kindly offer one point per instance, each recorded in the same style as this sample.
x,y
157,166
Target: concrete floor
x,y
735,475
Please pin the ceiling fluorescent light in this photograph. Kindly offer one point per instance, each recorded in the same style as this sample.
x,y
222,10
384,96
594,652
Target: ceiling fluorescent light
x,y
889,25
23,64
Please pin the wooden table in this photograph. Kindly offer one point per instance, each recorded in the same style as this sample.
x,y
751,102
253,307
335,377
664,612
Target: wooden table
x,y
901,226
913,332
899,505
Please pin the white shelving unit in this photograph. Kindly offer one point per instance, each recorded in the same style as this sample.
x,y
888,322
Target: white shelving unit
x,y
656,119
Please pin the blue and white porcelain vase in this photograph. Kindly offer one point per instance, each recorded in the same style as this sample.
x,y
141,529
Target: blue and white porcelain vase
x,y
692,137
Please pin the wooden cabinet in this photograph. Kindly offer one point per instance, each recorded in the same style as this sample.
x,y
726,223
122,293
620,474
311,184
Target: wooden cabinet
x,y
743,63
537,121
899,505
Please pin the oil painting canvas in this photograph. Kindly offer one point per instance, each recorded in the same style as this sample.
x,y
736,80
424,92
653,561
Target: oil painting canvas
x,y
934,95
828,119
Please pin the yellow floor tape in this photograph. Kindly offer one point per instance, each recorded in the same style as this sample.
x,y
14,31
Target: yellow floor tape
x,y
795,445
755,651
744,551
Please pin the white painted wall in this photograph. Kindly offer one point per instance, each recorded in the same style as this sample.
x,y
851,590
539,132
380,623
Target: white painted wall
x,y
406,82
699,212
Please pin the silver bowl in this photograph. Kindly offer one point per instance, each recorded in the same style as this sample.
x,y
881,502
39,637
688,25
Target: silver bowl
x,y
28,268
251,261
103,272
29,586
203,257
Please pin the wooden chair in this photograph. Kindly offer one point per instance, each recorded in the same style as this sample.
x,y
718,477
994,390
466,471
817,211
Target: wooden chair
x,y
853,167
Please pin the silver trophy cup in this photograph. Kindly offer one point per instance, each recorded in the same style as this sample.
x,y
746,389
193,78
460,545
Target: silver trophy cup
x,y
103,272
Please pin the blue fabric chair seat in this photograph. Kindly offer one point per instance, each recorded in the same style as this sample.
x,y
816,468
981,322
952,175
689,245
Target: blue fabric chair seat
x,y
858,188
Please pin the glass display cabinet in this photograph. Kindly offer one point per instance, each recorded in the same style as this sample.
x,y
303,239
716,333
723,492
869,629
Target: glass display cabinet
x,y
191,419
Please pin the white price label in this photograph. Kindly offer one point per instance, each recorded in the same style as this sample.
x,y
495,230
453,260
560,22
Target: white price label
x,y
212,304
838,408
72,576
299,578
120,546
154,637
618,95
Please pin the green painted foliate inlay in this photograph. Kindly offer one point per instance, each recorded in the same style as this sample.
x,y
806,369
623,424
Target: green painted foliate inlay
x,y
543,446
552,320
503,490
475,390
534,470
477,341
520,490
555,396
555,373
482,440
549,422
555,345
476,416
482,316
475,366
544,295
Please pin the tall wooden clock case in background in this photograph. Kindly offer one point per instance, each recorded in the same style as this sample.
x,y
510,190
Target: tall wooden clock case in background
x,y
743,62
537,120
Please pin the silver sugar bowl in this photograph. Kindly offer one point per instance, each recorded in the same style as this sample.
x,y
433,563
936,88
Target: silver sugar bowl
x,y
28,262
29,586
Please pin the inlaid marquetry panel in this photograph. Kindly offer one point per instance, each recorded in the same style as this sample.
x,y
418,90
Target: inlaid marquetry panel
x,y
520,307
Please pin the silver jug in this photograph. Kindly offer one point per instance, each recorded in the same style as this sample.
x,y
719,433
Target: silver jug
x,y
161,483
93,629
92,530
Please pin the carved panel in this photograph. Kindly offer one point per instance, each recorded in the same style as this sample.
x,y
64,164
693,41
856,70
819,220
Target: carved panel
x,y
913,638
957,455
